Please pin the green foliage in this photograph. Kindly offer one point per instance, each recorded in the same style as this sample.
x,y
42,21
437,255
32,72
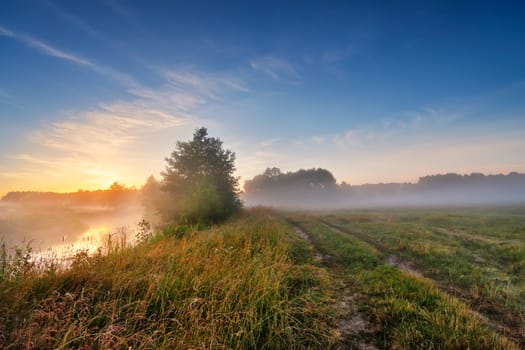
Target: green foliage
x,y
17,264
199,178
205,203
181,230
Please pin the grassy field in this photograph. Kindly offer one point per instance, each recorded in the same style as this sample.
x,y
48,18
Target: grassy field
x,y
250,283
405,310
390,279
477,255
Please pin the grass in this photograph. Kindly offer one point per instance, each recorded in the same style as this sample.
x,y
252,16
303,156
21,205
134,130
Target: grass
x,y
254,283
479,255
249,283
405,311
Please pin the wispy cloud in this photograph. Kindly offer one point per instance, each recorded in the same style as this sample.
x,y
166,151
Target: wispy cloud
x,y
106,131
121,10
49,50
34,160
276,68
400,149
16,174
403,128
8,99
6,32
76,21
79,23
336,55
320,140
4,94
360,137
112,142
205,84
268,143
96,143
332,60
185,90
422,143
112,126
45,48
126,14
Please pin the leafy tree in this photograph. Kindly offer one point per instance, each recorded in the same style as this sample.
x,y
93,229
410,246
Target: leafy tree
x,y
273,179
199,177
155,201
292,189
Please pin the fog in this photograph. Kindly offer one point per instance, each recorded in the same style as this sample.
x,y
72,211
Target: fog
x,y
65,223
317,189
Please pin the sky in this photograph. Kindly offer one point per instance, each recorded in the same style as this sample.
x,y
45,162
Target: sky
x,y
93,92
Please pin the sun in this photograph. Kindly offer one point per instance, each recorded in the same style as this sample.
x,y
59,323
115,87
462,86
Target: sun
x,y
108,183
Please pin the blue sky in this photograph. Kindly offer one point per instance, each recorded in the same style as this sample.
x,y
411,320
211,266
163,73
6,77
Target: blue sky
x,y
375,91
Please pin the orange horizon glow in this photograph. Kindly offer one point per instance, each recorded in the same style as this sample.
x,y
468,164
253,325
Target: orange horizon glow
x,y
66,188
356,180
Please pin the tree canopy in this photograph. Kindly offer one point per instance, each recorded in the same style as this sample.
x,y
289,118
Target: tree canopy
x,y
273,179
291,189
200,179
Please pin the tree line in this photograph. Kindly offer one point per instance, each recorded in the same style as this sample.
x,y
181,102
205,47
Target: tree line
x,y
115,196
318,188
199,185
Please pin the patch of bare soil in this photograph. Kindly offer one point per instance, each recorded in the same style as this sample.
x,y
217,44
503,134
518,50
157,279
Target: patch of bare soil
x,y
392,260
403,265
302,234
408,267
317,255
353,329
466,235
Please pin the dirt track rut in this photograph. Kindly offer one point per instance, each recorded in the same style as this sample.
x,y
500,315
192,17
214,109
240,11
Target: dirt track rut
x,y
409,267
353,327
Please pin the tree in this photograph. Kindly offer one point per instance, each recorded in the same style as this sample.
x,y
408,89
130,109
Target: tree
x,y
291,189
199,177
155,201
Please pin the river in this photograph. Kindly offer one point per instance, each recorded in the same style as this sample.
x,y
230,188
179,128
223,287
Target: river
x,y
63,230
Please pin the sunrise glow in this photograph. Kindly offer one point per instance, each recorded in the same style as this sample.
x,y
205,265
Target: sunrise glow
x,y
374,96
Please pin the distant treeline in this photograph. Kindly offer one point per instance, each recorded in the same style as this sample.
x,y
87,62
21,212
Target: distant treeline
x,y
318,188
310,189
116,195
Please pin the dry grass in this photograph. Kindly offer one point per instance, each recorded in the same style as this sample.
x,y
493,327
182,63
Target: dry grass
x,y
246,284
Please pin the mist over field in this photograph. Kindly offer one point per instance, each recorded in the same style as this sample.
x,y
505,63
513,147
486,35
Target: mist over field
x,y
318,189
82,219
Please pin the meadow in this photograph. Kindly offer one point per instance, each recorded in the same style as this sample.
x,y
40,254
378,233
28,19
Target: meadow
x,y
475,254
249,283
367,279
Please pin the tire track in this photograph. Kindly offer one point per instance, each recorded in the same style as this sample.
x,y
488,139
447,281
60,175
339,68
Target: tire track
x,y
390,259
453,292
353,327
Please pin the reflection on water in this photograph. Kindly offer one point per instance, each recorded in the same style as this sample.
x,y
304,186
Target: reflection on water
x,y
90,240
100,239
58,231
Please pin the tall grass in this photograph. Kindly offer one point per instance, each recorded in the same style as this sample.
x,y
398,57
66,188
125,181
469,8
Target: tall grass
x,y
245,284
